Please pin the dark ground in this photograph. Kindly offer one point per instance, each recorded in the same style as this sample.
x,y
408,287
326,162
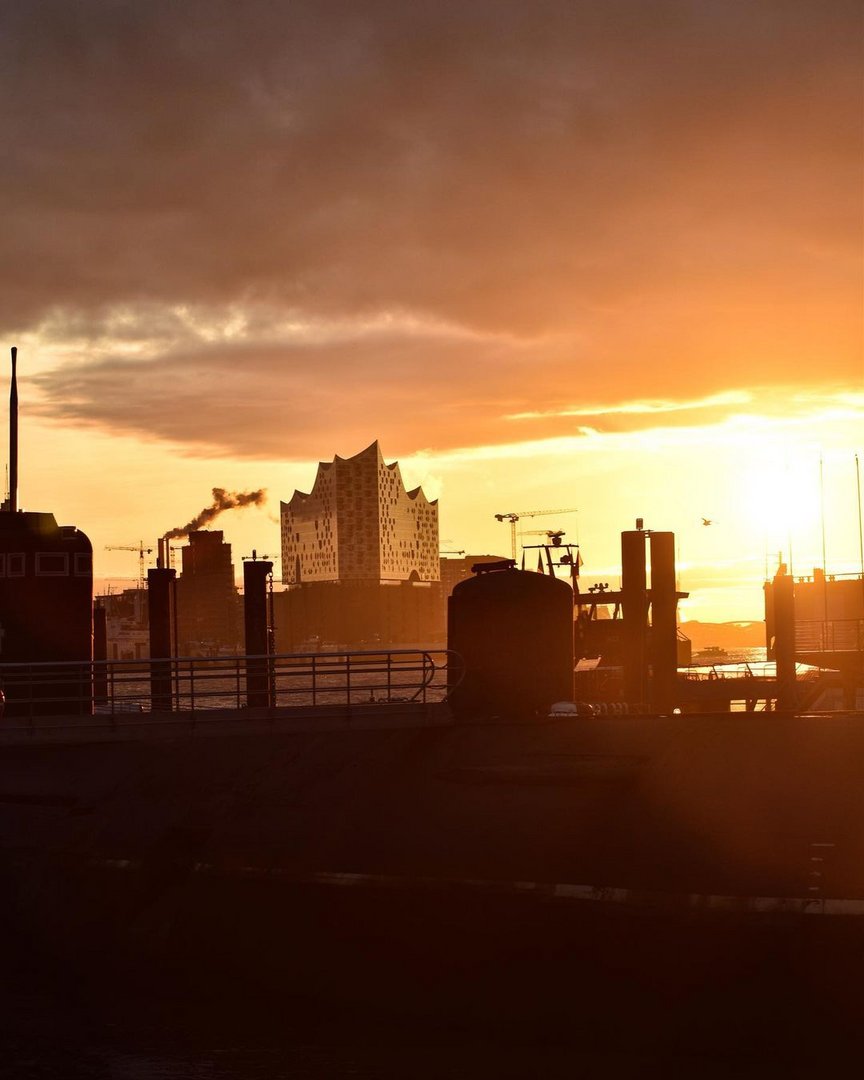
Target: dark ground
x,y
161,918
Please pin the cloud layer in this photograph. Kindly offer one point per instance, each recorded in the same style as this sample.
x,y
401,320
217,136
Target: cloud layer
x,y
285,229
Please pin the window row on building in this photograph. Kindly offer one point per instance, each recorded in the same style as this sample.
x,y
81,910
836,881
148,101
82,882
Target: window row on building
x,y
19,564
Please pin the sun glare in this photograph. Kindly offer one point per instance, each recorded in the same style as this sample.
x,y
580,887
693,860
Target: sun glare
x,y
790,504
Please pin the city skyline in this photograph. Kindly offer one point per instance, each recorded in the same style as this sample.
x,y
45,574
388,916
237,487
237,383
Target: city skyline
x,y
548,256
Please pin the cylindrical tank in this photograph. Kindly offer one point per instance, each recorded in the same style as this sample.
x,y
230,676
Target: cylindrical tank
x,y
514,632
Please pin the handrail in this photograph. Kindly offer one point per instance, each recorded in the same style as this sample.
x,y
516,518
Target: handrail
x,y
199,684
829,635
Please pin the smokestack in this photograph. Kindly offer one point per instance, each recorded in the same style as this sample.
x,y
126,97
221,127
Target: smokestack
x,y
13,436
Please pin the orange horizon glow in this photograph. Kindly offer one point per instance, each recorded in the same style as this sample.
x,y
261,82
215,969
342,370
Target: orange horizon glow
x,y
578,255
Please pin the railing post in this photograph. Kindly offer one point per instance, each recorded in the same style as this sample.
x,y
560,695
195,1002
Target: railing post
x,y
160,597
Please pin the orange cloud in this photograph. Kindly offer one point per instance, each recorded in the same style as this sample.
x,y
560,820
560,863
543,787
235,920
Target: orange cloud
x,y
271,228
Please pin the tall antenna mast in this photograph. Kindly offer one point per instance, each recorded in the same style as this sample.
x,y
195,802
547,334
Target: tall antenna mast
x,y
13,436
860,532
824,560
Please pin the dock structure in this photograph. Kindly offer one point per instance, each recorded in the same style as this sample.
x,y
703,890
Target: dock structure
x,y
684,868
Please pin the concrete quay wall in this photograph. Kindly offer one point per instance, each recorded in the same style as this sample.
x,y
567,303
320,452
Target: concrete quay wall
x,y
669,875
719,805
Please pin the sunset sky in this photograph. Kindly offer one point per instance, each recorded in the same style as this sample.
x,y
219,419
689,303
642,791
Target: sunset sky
x,y
551,254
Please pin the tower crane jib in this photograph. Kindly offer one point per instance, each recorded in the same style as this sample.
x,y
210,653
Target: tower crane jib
x,y
515,516
142,551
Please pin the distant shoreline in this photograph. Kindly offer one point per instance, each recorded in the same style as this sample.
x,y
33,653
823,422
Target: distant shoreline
x,y
726,635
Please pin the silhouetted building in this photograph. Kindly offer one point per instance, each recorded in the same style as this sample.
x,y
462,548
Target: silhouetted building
x,y
208,606
46,600
126,624
46,589
360,557
359,523
828,623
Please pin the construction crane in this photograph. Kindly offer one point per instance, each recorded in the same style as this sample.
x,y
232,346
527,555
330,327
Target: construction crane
x,y
554,536
513,517
142,551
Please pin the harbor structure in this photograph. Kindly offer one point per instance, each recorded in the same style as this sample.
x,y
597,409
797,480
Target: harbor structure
x,y
827,615
46,598
646,847
633,654
513,632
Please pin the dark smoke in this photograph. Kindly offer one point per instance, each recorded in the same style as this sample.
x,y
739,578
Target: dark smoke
x,y
222,500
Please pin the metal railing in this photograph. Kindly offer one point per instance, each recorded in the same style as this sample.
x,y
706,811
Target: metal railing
x,y
831,635
193,685
745,669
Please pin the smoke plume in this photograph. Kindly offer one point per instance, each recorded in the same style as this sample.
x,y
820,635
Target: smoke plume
x,y
222,500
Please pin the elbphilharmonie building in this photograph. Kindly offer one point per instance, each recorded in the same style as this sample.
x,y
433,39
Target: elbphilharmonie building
x,y
359,524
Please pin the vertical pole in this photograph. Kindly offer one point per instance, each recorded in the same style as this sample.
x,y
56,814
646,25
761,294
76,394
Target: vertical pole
x,y
784,641
271,641
664,624
13,435
635,615
100,653
860,532
824,557
257,644
768,592
159,589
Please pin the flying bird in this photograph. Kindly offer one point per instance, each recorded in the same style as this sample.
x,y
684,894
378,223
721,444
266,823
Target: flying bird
x,y
707,521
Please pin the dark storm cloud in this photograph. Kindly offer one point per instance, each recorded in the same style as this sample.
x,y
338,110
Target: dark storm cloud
x,y
277,401
665,187
413,391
